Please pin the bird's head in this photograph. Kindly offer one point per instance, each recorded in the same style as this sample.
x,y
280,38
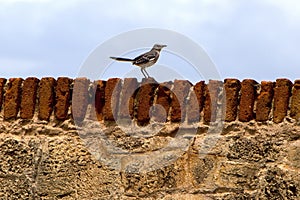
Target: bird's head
x,y
158,47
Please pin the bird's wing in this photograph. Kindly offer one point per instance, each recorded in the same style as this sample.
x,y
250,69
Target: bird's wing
x,y
145,58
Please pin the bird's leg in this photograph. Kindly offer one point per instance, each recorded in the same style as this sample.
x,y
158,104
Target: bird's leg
x,y
147,73
143,72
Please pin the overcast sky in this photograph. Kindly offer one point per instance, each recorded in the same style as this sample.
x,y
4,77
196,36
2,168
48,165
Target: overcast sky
x,y
256,39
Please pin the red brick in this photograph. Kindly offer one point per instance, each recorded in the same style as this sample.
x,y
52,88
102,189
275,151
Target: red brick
x,y
145,98
46,98
295,102
12,98
129,90
63,95
2,84
112,95
80,98
180,92
232,88
29,97
282,93
196,102
162,103
99,99
264,101
212,91
247,100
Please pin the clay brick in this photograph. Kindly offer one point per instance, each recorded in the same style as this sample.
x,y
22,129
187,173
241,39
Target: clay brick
x,y
232,88
80,98
63,94
129,89
196,102
46,98
295,102
145,98
162,103
282,93
264,101
12,98
99,99
112,95
29,96
212,91
248,94
180,92
2,84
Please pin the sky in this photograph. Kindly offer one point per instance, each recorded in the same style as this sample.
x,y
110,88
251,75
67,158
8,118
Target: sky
x,y
256,39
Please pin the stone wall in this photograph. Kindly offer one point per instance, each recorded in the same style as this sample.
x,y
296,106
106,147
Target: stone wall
x,y
122,139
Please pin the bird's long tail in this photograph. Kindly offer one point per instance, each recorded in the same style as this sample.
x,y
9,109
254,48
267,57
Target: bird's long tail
x,y
122,59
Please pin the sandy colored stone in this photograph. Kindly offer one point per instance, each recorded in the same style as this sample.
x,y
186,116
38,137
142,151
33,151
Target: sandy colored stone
x,y
282,92
80,98
196,102
129,90
55,159
295,102
212,91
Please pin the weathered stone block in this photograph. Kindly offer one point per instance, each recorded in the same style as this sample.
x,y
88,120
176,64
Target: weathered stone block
x,y
232,88
46,98
12,98
29,97
282,92
248,94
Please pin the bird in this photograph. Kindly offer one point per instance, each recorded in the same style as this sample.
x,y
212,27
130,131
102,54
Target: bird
x,y
144,60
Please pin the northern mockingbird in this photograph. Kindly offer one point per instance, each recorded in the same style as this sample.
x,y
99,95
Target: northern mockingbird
x,y
145,60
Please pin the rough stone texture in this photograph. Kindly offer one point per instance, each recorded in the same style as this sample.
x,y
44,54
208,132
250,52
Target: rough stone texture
x,y
163,102
196,102
12,98
282,92
250,161
212,91
46,98
112,96
145,100
63,97
264,101
232,88
236,160
129,90
29,97
180,93
2,84
80,98
100,98
295,102
248,95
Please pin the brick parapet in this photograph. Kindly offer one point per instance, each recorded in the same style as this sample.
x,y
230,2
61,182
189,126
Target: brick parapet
x,y
178,101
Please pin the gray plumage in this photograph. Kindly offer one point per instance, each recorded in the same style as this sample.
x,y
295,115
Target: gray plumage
x,y
145,60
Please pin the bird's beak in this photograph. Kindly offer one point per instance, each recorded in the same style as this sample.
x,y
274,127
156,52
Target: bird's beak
x,y
164,45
